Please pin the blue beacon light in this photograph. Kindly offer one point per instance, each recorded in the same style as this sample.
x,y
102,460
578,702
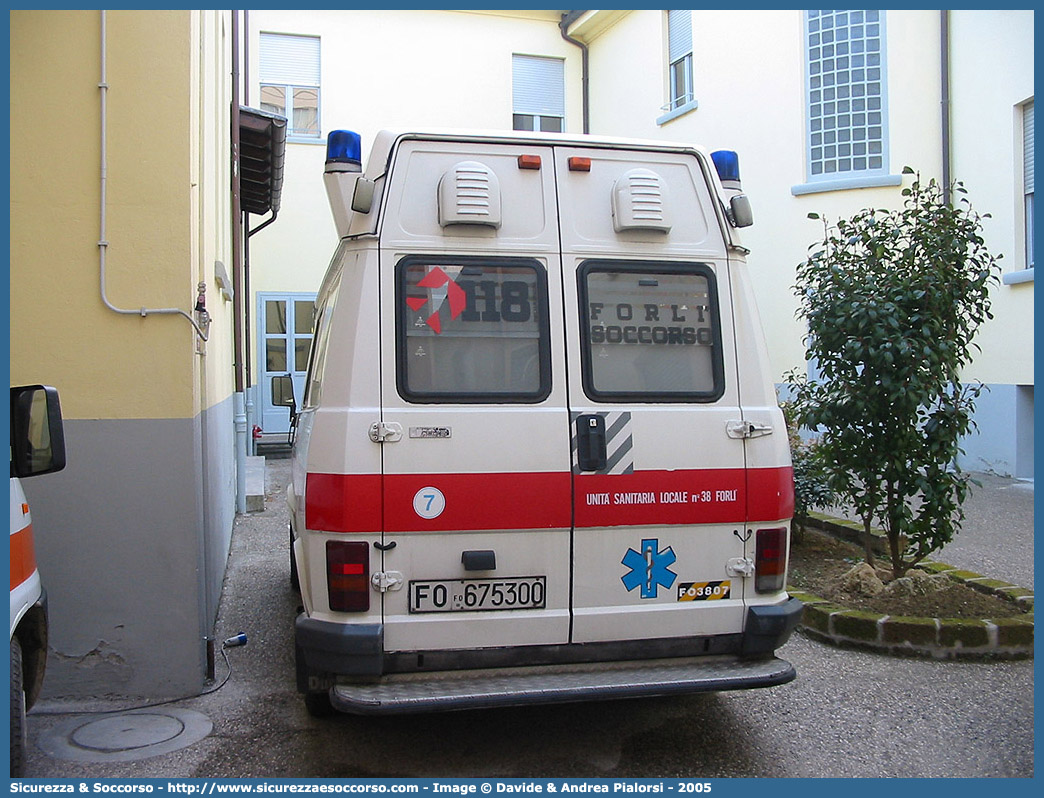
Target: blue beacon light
x,y
726,162
344,146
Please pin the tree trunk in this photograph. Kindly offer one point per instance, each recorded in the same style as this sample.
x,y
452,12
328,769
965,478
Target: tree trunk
x,y
898,563
868,519
894,530
797,527
868,539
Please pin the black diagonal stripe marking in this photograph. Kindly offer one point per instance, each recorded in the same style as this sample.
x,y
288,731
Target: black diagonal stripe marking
x,y
617,427
618,455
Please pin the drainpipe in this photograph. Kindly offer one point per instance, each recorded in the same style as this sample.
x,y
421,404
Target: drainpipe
x,y
103,243
238,401
568,19
247,335
207,614
944,69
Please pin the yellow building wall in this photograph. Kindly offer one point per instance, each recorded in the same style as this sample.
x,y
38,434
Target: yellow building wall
x,y
992,77
110,365
133,534
211,215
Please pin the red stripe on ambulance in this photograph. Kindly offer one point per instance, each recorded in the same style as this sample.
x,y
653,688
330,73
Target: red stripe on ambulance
x,y
352,502
343,502
481,501
702,496
771,494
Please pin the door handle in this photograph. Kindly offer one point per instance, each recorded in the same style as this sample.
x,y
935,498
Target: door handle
x,y
590,442
747,429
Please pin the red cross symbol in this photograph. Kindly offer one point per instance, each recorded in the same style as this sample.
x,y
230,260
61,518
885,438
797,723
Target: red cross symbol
x,y
437,278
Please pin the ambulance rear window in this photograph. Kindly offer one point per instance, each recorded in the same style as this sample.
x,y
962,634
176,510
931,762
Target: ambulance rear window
x,y
472,330
650,332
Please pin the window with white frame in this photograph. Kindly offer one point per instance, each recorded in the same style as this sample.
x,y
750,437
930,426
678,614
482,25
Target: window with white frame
x,y
538,101
290,81
846,102
679,59
1027,177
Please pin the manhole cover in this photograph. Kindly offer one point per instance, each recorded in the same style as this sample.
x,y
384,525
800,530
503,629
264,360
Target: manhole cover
x,y
126,736
127,732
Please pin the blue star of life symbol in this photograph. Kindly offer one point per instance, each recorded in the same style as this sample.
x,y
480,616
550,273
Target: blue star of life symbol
x,y
650,568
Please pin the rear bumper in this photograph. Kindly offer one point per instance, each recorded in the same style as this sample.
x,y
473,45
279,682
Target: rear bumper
x,y
324,650
329,654
769,627
454,690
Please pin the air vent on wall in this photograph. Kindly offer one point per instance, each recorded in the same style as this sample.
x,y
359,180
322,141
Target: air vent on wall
x,y
639,202
469,193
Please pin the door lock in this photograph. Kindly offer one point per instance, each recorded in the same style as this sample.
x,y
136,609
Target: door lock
x,y
739,566
383,581
385,432
746,429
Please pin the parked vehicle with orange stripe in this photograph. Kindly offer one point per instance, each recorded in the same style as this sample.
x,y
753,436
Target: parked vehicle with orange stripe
x,y
37,447
539,456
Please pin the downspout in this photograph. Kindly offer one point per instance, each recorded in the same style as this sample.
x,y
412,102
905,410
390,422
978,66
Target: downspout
x,y
263,225
248,337
568,19
251,393
103,243
207,613
944,69
239,404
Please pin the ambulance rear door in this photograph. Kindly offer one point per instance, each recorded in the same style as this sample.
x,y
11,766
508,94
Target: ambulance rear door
x,y
476,475
659,485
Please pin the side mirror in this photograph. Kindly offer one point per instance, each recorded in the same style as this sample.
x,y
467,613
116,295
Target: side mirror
x,y
37,434
740,211
362,196
283,393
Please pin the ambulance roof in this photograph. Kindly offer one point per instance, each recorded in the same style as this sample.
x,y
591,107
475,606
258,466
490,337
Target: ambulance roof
x,y
386,140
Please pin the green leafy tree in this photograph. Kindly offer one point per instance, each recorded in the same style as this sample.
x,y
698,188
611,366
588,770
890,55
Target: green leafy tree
x,y
893,299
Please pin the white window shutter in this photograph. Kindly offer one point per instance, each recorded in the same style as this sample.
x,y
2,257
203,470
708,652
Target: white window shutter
x,y
289,60
1027,144
679,34
539,85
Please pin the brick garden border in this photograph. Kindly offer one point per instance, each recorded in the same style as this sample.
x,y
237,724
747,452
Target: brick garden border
x,y
941,638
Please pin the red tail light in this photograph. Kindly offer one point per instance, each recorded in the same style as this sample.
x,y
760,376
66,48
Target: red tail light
x,y
770,560
348,576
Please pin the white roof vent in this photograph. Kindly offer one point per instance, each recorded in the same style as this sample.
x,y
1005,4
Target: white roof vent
x,y
638,202
469,194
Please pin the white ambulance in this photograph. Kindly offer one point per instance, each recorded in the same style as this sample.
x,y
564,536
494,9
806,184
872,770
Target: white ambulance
x,y
37,447
539,456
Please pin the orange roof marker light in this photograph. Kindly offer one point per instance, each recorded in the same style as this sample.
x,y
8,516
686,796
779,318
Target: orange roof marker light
x,y
579,164
529,162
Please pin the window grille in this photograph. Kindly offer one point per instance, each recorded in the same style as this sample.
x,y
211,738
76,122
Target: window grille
x,y
1027,177
847,124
